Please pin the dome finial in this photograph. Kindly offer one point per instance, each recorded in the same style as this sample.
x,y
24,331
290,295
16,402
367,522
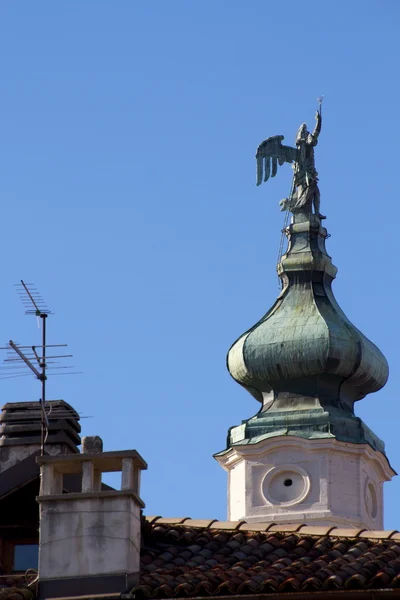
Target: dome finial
x,y
304,360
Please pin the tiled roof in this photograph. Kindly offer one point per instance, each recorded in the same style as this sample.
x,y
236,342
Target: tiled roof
x,y
13,588
187,558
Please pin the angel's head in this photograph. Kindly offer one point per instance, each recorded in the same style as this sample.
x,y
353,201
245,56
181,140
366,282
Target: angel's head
x,y
302,133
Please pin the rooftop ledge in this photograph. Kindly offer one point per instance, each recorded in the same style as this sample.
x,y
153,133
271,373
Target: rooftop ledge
x,y
297,528
91,496
106,462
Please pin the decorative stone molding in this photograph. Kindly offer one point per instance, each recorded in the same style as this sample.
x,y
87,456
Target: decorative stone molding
x,y
286,485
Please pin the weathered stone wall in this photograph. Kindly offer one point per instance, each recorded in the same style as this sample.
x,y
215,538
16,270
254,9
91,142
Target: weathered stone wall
x,y
89,536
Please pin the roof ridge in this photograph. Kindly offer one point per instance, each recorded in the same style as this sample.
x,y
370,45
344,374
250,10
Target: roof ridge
x,y
299,528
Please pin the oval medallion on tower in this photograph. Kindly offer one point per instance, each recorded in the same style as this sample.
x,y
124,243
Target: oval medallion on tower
x,y
286,485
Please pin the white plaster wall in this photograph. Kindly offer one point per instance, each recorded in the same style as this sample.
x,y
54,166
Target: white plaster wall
x,y
257,504
344,485
247,484
336,477
236,490
350,476
369,474
89,536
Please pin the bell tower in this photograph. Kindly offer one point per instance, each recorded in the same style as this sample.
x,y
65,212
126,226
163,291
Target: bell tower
x,y
305,456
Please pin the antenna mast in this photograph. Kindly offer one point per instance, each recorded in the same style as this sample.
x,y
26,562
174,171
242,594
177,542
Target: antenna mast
x,y
41,313
36,357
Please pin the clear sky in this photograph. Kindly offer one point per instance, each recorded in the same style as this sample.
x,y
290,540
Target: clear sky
x,y
127,184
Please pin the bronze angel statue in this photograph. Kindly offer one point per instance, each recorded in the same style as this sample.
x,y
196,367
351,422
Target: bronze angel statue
x,y
305,191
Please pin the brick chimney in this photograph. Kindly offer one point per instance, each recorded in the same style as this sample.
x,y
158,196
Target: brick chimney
x,y
21,430
90,540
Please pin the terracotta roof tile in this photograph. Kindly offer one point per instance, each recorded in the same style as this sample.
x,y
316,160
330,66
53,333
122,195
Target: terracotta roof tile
x,y
253,527
377,535
201,522
171,520
152,519
226,525
316,529
15,591
286,527
185,558
346,532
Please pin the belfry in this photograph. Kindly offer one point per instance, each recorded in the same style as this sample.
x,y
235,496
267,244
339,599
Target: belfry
x,y
305,456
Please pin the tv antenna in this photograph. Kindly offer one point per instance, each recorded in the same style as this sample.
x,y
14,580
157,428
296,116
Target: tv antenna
x,y
38,358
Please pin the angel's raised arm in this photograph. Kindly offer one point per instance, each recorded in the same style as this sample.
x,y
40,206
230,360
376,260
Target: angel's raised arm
x,y
313,137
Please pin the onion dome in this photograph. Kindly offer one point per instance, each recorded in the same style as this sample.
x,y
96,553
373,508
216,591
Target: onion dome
x,y
304,360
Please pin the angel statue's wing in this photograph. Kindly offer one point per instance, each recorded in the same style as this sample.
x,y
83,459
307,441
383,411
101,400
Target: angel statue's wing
x,y
271,152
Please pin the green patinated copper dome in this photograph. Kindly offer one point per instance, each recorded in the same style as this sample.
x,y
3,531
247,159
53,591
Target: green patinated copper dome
x,y
304,360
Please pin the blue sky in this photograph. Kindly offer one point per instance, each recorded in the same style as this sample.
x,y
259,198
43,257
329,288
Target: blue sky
x,y
127,184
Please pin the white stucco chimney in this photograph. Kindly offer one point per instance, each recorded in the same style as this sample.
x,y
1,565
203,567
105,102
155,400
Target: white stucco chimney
x,y
89,541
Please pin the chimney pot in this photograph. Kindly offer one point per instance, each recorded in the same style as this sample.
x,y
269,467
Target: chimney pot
x,y
92,444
